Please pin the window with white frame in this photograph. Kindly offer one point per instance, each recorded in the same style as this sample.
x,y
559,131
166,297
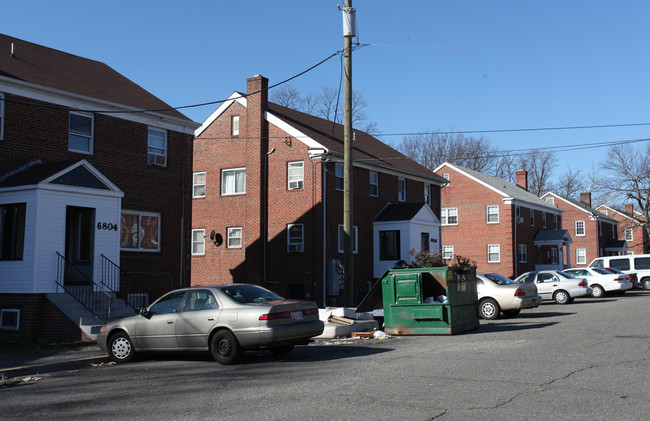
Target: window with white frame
x,y
446,177
374,183
140,231
449,216
198,184
604,211
295,175
9,319
550,200
2,116
12,230
338,176
580,228
554,255
493,253
157,147
427,194
523,253
80,132
629,234
389,245
198,242
295,238
234,240
401,189
342,239
492,214
447,252
581,256
233,181
235,125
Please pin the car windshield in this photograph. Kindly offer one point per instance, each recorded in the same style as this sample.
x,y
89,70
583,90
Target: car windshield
x,y
247,294
499,279
566,275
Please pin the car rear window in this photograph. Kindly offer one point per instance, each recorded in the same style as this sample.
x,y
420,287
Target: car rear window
x,y
499,279
602,271
248,294
620,264
642,263
597,263
566,275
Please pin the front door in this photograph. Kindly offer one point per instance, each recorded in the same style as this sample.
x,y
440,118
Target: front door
x,y
79,244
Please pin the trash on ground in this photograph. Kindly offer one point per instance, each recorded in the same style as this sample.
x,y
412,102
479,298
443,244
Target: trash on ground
x,y
380,335
105,364
7,382
341,320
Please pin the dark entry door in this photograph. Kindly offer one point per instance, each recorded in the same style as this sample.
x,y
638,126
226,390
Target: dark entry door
x,y
79,244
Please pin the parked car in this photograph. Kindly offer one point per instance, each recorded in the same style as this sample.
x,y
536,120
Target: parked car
x,y
223,320
633,263
633,278
601,281
498,294
556,285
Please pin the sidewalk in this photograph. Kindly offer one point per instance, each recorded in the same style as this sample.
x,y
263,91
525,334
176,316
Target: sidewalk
x,y
63,361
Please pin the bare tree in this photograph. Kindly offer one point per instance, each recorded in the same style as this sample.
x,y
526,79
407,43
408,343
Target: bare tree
x,y
539,165
571,183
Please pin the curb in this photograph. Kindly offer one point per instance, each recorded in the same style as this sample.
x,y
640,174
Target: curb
x,y
67,365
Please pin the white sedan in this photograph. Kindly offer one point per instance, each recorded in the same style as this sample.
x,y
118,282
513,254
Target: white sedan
x,y
556,285
496,294
601,281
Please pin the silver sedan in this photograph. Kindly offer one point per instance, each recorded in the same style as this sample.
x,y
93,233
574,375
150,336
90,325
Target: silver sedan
x,y
556,285
497,294
224,320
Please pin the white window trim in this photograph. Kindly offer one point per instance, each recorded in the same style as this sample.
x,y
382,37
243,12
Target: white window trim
x,y
201,233
444,215
91,138
550,200
162,151
229,238
487,214
584,229
543,219
298,247
295,182
629,237
498,247
355,234
338,168
2,116
223,184
581,259
234,131
444,252
523,257
554,256
401,193
427,194
194,183
9,310
140,215
376,183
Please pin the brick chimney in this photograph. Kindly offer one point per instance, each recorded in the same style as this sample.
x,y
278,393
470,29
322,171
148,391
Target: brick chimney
x,y
629,208
585,197
522,179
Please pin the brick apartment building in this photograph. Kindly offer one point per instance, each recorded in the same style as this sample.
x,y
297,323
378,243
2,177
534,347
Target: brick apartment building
x,y
95,192
268,201
630,228
500,225
594,234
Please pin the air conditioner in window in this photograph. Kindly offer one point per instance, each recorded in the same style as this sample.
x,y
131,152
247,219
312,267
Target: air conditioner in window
x,y
295,185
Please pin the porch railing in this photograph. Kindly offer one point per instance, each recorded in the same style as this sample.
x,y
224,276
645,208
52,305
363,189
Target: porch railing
x,y
82,288
125,286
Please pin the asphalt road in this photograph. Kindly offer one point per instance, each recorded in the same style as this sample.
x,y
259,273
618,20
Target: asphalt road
x,y
586,361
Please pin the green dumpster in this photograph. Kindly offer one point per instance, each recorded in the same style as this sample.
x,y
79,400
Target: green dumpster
x,y
411,300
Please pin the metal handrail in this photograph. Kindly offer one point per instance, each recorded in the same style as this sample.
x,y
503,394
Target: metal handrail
x,y
83,289
112,275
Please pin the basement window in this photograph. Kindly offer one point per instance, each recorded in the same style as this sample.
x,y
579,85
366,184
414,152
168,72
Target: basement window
x,y
9,319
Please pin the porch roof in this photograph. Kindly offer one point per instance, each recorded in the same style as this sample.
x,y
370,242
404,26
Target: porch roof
x,y
399,212
552,237
616,245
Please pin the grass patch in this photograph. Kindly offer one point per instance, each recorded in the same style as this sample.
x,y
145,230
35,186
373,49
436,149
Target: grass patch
x,y
15,350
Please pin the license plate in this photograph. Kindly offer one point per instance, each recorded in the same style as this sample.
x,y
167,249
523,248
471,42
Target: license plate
x,y
296,316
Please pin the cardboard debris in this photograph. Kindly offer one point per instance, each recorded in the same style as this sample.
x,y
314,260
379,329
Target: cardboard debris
x,y
362,334
340,319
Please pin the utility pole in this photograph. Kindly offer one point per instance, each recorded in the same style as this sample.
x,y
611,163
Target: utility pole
x,y
348,234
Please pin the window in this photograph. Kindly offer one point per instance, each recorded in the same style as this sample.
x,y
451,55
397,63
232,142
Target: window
x,y
447,252
157,147
295,175
235,125
424,241
401,189
604,211
554,255
543,219
642,263
449,216
389,245
12,231
295,238
199,299
492,214
2,116
234,238
614,235
374,184
139,231
580,228
518,217
9,319
198,184
342,239
233,181
427,194
445,176
523,253
555,220
338,176
80,133
170,303
198,242
629,234
550,200
581,256
494,253
620,264
532,217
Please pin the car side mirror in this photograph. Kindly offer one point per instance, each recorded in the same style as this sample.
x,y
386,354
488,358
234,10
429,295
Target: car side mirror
x,y
145,313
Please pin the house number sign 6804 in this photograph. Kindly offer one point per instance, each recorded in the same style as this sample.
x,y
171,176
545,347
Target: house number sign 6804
x,y
106,226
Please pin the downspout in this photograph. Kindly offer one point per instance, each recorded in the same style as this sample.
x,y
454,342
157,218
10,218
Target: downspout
x,y
181,271
265,222
324,195
516,246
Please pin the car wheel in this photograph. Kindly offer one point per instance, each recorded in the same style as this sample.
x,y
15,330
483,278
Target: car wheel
x,y
597,291
646,283
488,309
225,348
511,313
281,350
562,297
120,348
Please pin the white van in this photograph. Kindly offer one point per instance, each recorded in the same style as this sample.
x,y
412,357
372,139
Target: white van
x,y
632,263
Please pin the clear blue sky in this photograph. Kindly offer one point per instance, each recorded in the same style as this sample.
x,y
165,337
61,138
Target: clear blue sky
x,y
462,65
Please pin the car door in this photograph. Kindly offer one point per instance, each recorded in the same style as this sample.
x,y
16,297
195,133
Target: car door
x,y
545,285
158,329
200,313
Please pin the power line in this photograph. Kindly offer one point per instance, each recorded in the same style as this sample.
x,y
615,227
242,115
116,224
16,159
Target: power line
x,y
491,50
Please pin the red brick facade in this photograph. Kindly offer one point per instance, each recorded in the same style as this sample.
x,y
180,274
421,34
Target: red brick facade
x,y
630,228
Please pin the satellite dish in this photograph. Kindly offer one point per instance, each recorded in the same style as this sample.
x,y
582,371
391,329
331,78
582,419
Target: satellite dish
x,y
218,239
